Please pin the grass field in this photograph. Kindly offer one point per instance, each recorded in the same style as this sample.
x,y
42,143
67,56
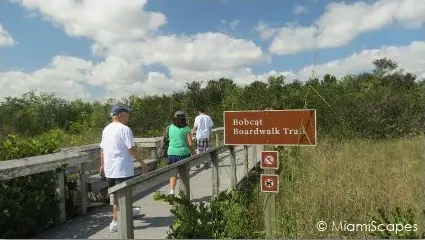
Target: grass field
x,y
348,181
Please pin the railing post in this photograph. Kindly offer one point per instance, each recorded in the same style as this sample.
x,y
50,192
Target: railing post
x,y
125,213
60,189
214,174
185,180
217,140
245,162
154,152
83,188
254,155
233,177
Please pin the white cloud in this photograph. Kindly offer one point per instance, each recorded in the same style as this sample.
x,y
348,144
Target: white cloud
x,y
70,77
64,76
226,26
197,52
408,57
125,29
265,30
5,38
106,22
129,40
115,71
298,9
202,52
341,23
234,24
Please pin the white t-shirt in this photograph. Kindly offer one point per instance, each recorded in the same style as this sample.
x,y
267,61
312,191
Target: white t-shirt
x,y
117,139
203,123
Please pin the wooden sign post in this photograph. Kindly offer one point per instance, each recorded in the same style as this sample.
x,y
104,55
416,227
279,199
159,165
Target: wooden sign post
x,y
270,127
269,187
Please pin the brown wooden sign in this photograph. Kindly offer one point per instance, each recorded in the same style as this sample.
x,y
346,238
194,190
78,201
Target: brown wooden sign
x,y
269,160
269,183
270,127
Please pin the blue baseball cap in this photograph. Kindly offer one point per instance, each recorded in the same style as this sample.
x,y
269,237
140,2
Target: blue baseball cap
x,y
119,109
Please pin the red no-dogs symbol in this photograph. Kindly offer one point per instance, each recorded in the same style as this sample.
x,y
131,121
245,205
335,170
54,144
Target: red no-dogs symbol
x,y
269,160
269,183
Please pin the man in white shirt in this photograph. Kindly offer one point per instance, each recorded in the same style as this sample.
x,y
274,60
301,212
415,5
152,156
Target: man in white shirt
x,y
202,125
117,151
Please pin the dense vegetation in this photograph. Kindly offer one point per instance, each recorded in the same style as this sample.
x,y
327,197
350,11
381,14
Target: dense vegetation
x,y
386,104
29,204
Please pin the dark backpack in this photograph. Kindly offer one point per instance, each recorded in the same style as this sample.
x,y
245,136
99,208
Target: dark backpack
x,y
163,145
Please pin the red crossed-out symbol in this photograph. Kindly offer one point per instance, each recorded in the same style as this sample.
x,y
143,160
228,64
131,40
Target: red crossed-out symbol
x,y
269,160
269,183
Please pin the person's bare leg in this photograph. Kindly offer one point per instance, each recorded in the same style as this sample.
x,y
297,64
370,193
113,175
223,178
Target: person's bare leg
x,y
173,181
114,216
114,224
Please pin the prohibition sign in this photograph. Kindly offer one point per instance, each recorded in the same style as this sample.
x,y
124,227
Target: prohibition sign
x,y
269,160
269,183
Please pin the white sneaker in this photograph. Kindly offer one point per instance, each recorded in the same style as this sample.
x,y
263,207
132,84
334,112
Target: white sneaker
x,y
136,211
171,192
113,227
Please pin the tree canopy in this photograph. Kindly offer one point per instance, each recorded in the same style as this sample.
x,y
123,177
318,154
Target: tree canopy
x,y
385,103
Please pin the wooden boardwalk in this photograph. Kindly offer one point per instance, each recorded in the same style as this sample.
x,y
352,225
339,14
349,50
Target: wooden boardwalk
x,y
155,217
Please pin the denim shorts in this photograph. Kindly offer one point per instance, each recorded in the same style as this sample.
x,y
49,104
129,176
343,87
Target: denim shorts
x,y
175,158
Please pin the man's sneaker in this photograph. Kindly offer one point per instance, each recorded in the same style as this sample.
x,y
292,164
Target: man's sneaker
x,y
171,192
136,211
113,227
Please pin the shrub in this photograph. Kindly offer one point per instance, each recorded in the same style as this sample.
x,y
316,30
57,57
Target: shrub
x,y
29,204
221,218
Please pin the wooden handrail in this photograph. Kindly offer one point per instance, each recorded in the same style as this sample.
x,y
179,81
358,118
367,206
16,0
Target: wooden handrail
x,y
192,160
32,165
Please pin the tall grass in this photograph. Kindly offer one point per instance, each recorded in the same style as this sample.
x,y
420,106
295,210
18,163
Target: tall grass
x,y
348,181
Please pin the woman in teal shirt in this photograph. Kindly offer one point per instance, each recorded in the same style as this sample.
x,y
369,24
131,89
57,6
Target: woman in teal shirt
x,y
180,142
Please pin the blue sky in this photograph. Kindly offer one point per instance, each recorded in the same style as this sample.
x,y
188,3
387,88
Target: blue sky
x,y
37,40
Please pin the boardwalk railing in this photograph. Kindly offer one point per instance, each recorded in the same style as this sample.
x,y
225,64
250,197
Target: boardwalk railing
x,y
85,161
11,169
125,191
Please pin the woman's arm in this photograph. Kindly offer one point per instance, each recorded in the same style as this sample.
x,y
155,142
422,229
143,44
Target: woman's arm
x,y
189,140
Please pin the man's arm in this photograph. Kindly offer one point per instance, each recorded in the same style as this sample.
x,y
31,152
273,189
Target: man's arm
x,y
101,159
195,126
211,126
136,154
194,129
131,145
101,170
